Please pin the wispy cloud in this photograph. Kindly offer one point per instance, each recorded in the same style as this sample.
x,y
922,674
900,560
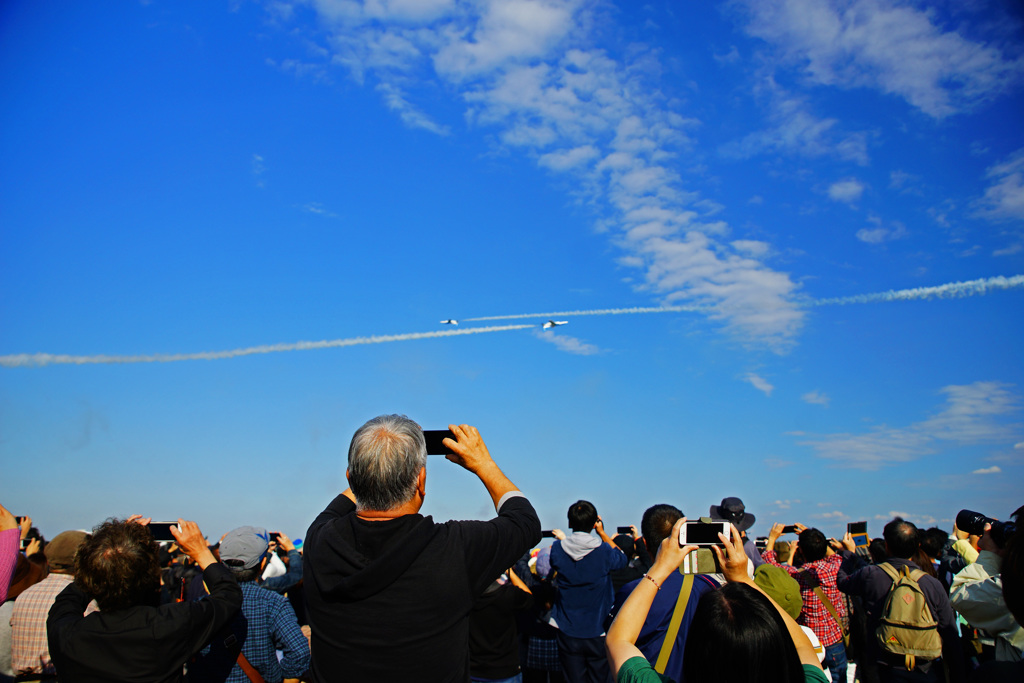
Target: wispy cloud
x,y
528,70
759,383
778,464
258,168
888,45
973,414
786,504
995,469
848,190
793,128
816,397
566,343
1004,198
836,514
318,209
881,232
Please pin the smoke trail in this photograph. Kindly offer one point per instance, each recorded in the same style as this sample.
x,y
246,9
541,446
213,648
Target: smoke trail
x,y
600,311
39,359
948,291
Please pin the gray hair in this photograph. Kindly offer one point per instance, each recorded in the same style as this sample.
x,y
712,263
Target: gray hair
x,y
384,462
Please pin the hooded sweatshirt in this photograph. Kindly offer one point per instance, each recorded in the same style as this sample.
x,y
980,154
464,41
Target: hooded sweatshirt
x,y
389,600
585,593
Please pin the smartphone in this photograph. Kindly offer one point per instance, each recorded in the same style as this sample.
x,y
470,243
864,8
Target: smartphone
x,y
434,437
703,533
547,534
855,528
628,530
275,536
162,530
18,519
859,531
789,529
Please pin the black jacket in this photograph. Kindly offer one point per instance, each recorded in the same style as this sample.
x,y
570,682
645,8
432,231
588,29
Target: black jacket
x,y
389,600
144,644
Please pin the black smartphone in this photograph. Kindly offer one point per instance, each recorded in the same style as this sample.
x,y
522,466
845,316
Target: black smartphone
x,y
547,534
162,530
855,528
628,530
275,536
434,437
789,529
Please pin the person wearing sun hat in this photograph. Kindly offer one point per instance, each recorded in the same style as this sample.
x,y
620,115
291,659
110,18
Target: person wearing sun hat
x,y
732,510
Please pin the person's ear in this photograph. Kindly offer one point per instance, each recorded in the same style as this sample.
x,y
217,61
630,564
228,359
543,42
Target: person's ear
x,y
421,483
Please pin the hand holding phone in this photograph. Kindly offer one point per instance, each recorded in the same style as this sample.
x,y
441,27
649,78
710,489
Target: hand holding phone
x,y
704,533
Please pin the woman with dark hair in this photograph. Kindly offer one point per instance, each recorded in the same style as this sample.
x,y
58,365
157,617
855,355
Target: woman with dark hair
x,y
738,634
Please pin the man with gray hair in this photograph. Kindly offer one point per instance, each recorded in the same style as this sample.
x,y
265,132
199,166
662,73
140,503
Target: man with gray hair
x,y
388,591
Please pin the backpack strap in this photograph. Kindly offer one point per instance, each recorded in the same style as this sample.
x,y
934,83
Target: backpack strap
x,y
890,570
674,623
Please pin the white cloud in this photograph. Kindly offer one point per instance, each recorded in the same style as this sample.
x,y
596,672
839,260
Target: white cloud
x,y
786,504
816,397
830,515
566,343
880,232
759,383
884,44
974,414
778,464
397,102
318,209
848,190
1004,198
526,69
995,469
795,129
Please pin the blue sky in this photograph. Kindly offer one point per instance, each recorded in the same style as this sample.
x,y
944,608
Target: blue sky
x,y
192,177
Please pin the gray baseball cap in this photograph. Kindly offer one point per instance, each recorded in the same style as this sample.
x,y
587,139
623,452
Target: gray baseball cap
x,y
247,544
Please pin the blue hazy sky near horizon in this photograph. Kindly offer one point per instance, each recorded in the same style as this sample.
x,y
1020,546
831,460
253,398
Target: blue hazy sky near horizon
x,y
187,177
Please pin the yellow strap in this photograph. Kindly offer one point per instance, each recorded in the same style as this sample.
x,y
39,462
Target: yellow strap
x,y
909,661
673,625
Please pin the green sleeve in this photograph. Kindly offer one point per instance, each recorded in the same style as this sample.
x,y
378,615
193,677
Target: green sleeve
x,y
814,674
639,670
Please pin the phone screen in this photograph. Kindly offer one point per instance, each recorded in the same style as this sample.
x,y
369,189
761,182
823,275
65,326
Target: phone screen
x,y
857,528
700,533
434,437
161,530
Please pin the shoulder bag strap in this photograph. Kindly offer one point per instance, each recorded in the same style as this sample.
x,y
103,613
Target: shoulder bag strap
x,y
673,625
249,669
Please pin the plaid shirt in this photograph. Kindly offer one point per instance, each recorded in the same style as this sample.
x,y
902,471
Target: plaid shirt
x,y
265,625
29,650
814,614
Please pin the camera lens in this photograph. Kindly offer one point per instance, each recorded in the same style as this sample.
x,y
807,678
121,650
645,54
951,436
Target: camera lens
x,y
972,522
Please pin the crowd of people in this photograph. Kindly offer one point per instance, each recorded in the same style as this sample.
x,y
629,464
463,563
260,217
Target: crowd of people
x,y
379,592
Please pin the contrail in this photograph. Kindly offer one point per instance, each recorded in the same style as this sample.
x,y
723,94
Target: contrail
x,y
39,359
948,291
600,311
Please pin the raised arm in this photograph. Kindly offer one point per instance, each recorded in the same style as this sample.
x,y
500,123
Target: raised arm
x,y
469,450
733,561
620,643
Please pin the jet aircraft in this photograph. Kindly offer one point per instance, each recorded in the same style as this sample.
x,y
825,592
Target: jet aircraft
x,y
450,321
554,323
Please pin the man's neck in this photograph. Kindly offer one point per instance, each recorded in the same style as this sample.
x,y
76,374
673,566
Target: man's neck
x,y
409,508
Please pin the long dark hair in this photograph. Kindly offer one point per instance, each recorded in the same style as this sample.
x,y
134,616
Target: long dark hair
x,y
737,636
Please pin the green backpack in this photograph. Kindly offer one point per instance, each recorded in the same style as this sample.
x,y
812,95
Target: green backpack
x,y
907,626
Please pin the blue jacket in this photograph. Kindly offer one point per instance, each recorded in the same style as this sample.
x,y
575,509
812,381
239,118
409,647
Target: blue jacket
x,y
585,591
